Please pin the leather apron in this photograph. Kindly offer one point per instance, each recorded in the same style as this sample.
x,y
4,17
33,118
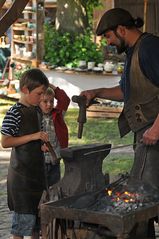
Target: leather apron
x,y
140,111
26,178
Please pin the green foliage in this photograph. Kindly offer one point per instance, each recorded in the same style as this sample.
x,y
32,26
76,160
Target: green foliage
x,y
85,49
63,48
58,46
19,70
90,5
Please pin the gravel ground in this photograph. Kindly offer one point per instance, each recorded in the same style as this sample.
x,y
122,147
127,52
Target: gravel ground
x,y
5,215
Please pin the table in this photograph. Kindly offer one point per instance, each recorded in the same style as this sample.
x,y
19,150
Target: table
x,y
75,82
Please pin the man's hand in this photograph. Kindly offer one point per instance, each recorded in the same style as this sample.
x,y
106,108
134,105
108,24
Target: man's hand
x,y
89,94
150,137
113,93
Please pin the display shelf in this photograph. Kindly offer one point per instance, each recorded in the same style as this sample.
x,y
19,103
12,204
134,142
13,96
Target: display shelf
x,y
23,42
23,29
21,20
28,34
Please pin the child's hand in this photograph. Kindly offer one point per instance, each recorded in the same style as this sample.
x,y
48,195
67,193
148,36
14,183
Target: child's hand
x,y
44,148
40,135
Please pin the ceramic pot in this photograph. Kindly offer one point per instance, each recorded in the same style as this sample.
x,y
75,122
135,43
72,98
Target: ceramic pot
x,y
90,65
108,66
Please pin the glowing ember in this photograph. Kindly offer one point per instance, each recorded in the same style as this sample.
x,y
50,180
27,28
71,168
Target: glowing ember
x,y
109,192
120,197
126,196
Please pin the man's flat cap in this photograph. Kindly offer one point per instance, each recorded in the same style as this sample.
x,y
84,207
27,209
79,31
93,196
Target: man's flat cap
x,y
112,18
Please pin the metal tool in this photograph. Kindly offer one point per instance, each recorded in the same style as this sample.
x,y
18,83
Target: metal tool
x,y
82,103
111,148
51,150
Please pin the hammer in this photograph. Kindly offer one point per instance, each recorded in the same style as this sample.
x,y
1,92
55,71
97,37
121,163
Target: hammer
x,y
81,101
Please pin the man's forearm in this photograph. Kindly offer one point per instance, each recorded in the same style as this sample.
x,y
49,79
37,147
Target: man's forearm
x,y
113,93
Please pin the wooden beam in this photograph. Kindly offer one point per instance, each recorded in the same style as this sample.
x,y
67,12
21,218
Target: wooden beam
x,y
12,15
50,5
2,3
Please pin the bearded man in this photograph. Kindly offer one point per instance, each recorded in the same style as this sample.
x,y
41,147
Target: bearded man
x,y
139,90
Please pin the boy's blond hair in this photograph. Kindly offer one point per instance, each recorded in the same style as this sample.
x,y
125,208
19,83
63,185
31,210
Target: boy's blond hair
x,y
50,91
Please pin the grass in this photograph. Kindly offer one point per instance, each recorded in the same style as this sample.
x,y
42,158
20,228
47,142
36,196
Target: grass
x,y
116,164
104,131
95,130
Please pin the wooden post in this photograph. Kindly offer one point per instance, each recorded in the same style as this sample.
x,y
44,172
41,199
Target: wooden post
x,y
145,14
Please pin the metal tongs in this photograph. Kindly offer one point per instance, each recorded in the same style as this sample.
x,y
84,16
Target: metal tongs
x,y
53,154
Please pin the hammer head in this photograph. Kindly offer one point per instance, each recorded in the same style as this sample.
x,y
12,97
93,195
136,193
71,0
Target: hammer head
x,y
81,101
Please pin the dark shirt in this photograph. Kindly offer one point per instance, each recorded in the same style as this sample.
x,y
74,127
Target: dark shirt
x,y
148,60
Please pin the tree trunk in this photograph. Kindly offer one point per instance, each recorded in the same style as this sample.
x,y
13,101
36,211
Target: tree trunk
x,y
71,16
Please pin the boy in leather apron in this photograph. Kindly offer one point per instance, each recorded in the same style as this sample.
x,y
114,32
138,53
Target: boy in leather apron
x,y
21,130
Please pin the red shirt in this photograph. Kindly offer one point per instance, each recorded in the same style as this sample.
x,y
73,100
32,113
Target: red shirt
x,y
60,126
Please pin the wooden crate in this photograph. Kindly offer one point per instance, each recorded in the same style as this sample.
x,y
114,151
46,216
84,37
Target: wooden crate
x,y
102,111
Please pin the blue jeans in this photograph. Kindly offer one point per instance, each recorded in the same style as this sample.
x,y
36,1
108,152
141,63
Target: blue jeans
x,y
24,224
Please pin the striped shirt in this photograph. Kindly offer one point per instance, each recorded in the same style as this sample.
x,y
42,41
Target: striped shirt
x,y
11,121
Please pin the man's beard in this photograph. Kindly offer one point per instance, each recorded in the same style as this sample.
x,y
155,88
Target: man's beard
x,y
122,47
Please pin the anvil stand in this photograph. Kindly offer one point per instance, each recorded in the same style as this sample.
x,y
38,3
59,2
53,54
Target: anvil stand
x,y
83,173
